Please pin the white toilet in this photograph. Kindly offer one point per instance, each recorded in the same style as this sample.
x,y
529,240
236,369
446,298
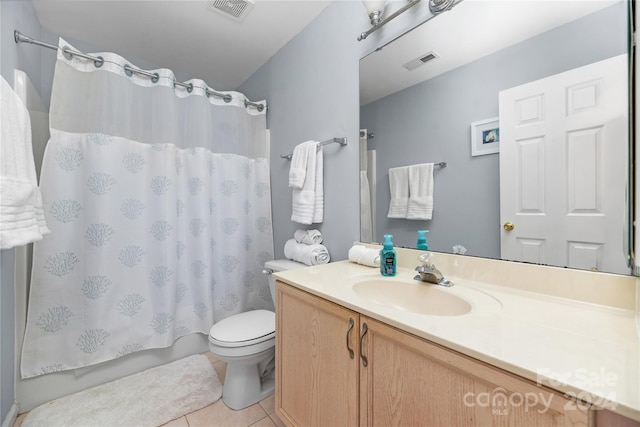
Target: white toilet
x,y
246,341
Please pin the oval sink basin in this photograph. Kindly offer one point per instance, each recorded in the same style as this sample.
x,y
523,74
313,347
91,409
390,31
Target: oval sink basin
x,y
418,297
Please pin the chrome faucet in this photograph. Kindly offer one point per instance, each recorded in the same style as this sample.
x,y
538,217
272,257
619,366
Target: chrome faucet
x,y
427,272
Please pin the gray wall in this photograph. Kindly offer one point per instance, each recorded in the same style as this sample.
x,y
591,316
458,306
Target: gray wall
x,y
13,14
430,122
7,322
311,86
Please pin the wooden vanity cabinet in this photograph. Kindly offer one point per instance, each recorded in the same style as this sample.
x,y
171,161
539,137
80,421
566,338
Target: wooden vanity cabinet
x,y
409,381
330,373
316,374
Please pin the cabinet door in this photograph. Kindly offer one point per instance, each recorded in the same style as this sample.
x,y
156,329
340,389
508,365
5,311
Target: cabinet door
x,y
408,381
316,360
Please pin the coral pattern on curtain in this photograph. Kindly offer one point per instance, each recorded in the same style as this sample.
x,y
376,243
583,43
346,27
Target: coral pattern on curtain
x,y
159,205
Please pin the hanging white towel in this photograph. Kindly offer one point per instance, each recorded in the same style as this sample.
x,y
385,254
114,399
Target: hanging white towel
x,y
298,167
318,207
420,191
399,186
304,199
21,212
308,237
306,254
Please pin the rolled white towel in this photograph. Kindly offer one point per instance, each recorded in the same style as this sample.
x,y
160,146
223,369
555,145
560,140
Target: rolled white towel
x,y
306,254
366,256
308,237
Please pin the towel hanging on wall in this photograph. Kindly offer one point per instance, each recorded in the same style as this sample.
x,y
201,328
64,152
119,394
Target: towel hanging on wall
x,y
21,212
399,186
420,204
318,206
411,190
298,167
308,200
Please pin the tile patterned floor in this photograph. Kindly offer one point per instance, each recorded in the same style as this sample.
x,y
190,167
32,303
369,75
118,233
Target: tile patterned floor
x,y
262,414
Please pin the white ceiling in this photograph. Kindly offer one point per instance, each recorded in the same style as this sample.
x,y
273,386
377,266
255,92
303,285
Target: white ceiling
x,y
471,30
183,35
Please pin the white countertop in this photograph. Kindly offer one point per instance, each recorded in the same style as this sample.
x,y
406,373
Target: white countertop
x,y
584,350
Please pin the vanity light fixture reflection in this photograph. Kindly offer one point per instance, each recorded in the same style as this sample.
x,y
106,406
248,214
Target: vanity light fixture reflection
x,y
375,8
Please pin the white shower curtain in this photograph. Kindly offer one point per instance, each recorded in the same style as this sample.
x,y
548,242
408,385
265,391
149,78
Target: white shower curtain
x,y
366,210
158,201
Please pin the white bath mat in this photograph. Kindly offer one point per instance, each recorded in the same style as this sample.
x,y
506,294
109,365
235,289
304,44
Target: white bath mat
x,y
149,398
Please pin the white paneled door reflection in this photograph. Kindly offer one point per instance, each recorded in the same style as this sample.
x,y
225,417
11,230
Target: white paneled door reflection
x,y
564,168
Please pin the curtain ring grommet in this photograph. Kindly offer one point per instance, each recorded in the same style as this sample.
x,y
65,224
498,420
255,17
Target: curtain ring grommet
x,y
190,88
127,70
227,98
206,92
259,107
66,53
98,62
155,78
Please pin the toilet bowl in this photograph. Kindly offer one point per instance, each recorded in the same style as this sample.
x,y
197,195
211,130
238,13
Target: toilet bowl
x,y
246,342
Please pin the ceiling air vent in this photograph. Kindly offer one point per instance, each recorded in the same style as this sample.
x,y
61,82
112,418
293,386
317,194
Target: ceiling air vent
x,y
234,9
413,64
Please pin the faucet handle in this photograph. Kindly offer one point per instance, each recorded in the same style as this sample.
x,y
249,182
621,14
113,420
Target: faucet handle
x,y
425,259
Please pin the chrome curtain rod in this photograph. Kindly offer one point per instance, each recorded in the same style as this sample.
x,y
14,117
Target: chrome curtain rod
x,y
341,141
98,61
438,165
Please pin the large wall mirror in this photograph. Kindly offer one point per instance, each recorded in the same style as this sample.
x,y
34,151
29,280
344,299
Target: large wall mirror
x,y
527,103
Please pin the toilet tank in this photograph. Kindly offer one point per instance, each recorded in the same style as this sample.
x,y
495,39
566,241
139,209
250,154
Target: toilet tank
x,y
279,265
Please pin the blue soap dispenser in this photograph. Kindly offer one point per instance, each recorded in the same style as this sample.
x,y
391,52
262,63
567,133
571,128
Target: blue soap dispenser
x,y
422,240
388,257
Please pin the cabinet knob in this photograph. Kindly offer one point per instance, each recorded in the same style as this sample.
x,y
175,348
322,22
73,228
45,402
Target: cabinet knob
x,y
508,226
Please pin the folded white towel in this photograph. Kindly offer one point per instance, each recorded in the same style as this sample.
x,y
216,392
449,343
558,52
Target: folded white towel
x,y
420,204
366,256
304,199
308,237
318,206
399,186
298,167
306,254
21,211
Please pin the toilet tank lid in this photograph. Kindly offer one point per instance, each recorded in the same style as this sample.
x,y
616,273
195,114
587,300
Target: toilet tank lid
x,y
283,265
246,326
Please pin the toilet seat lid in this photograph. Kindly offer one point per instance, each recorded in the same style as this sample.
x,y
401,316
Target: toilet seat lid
x,y
244,329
